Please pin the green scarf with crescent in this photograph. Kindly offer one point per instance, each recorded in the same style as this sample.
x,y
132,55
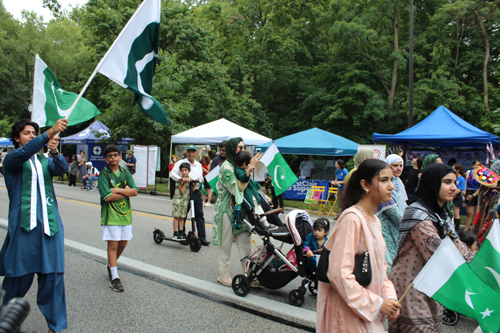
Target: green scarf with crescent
x,y
36,175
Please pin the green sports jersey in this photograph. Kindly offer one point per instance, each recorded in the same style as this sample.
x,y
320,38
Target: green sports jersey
x,y
115,212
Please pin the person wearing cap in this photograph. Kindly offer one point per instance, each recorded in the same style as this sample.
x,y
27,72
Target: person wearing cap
x,y
131,162
91,176
196,174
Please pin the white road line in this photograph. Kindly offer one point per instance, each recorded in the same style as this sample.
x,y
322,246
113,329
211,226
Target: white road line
x,y
261,304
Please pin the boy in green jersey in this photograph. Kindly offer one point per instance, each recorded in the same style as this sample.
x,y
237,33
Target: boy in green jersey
x,y
116,186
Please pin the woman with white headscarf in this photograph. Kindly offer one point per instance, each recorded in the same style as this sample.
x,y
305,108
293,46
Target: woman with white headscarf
x,y
390,213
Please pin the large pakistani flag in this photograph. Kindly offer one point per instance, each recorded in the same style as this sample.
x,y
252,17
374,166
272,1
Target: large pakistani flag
x,y
448,279
281,174
51,102
486,262
131,60
213,177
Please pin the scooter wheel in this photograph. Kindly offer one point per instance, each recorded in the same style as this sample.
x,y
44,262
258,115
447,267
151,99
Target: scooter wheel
x,y
241,285
158,236
195,244
313,287
296,297
450,317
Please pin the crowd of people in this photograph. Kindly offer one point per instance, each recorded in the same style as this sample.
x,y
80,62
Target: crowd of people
x,y
386,221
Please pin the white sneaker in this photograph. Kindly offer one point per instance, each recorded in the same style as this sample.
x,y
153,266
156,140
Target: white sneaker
x,y
207,204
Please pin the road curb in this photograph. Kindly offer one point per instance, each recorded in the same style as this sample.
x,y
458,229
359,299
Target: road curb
x,y
262,305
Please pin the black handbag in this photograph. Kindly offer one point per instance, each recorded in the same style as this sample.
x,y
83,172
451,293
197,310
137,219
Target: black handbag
x,y
362,268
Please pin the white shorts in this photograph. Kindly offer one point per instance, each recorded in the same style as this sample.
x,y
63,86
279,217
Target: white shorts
x,y
116,232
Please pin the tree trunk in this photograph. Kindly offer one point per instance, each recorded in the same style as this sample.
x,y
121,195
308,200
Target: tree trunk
x,y
394,81
486,58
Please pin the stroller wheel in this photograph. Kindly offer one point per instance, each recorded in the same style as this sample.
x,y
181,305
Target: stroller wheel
x,y
158,236
450,317
241,285
194,244
296,297
313,287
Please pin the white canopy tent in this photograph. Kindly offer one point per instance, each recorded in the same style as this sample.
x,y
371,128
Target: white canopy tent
x,y
218,131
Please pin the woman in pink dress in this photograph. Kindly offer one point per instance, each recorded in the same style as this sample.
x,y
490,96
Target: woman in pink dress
x,y
343,304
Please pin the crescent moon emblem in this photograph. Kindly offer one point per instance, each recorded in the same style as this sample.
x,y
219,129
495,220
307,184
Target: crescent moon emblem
x,y
495,274
276,176
468,300
49,202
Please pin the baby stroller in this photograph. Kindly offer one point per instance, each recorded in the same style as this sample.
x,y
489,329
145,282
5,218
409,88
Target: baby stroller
x,y
268,264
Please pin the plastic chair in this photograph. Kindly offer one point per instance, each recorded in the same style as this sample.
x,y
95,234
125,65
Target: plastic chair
x,y
315,200
328,204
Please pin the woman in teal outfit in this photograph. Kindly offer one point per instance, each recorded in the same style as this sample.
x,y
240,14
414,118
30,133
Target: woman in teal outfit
x,y
35,237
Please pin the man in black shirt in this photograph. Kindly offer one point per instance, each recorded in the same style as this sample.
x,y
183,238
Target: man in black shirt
x,y
412,173
219,159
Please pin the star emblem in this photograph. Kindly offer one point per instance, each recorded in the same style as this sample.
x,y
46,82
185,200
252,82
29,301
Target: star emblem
x,y
123,204
282,177
487,313
60,91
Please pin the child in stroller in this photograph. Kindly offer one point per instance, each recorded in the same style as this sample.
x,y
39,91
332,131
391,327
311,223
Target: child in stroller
x,y
268,264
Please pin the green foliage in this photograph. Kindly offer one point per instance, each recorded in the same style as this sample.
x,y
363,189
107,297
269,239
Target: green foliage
x,y
274,66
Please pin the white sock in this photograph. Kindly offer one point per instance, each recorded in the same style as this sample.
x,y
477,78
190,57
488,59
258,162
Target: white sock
x,y
265,223
114,272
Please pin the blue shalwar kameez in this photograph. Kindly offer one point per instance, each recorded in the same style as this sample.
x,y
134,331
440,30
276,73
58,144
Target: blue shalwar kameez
x,y
25,253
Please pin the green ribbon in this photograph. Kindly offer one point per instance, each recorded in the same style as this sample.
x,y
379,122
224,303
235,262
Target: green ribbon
x,y
48,198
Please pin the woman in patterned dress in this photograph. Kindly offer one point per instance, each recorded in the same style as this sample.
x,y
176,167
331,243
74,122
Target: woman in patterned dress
x,y
343,304
425,223
230,193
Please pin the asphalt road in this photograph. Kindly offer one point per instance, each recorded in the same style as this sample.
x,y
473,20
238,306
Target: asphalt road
x,y
155,302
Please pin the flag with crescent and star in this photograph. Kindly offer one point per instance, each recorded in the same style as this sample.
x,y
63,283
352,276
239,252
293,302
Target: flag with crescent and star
x,y
281,174
131,59
486,262
448,279
51,102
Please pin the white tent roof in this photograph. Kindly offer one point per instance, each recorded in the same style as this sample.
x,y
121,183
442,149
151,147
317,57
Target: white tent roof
x,y
218,131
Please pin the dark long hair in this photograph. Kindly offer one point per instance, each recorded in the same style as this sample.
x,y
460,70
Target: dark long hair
x,y
366,171
459,168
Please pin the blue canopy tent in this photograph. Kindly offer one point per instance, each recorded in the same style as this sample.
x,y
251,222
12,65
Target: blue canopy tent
x,y
6,142
314,142
442,128
88,141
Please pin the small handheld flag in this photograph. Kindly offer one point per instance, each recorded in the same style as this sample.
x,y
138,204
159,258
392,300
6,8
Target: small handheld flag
x,y
281,174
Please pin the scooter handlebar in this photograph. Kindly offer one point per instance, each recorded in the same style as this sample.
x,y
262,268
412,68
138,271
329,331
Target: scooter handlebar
x,y
274,211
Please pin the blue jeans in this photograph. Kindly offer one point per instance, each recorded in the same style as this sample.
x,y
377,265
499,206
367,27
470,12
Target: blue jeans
x,y
91,181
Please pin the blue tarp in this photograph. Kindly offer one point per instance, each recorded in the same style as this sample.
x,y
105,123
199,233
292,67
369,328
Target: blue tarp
x,y
314,142
88,135
440,128
5,142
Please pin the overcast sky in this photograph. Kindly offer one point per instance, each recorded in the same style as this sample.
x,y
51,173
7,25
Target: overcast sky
x,y
15,6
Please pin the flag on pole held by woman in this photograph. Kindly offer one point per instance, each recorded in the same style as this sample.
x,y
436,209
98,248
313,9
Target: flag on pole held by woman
x,y
449,280
281,174
51,102
131,59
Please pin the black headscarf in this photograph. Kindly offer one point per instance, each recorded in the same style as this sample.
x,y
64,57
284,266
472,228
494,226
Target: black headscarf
x,y
231,146
430,185
426,207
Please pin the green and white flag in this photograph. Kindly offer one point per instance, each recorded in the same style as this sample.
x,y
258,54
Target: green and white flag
x,y
486,262
51,102
281,174
131,60
448,279
213,177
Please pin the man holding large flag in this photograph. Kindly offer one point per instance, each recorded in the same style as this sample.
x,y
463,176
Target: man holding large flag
x,y
51,102
35,237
